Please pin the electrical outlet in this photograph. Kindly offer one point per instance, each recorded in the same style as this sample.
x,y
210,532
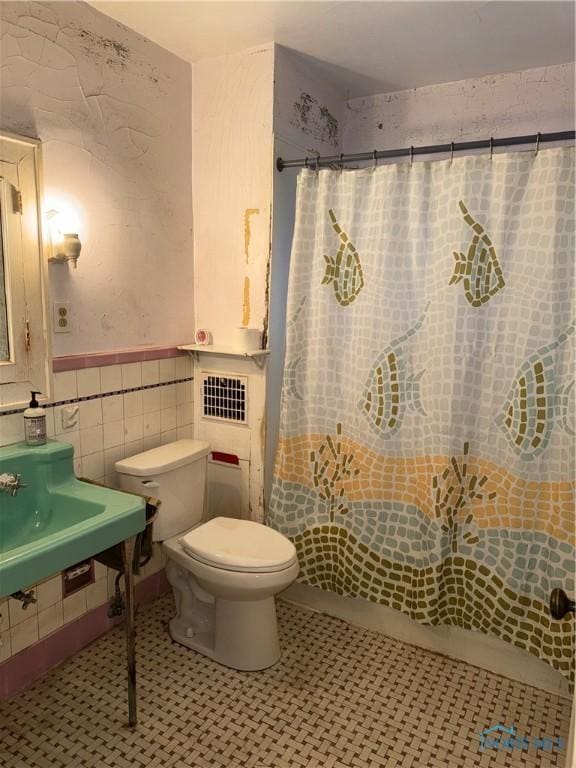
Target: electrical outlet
x,y
62,317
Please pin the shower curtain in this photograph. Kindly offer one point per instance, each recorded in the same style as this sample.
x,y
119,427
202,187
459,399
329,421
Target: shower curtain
x,y
426,451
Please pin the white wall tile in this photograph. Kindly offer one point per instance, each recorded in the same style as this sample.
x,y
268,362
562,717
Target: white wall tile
x,y
133,428
91,440
49,592
50,619
24,634
65,387
5,646
168,437
132,404
184,414
150,372
90,412
167,369
167,419
133,448
74,439
11,429
150,400
4,614
131,375
183,367
100,571
185,392
151,441
152,423
49,422
96,594
93,466
185,433
168,396
18,614
111,456
113,434
74,606
88,381
111,378
155,563
112,408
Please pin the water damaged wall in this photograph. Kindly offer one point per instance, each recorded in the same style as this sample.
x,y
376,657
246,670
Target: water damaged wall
x,y
113,112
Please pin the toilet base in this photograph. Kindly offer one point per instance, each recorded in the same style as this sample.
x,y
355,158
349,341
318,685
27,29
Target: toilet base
x,y
245,635
242,634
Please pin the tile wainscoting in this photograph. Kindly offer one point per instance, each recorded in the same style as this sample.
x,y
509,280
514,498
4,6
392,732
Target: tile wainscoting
x,y
123,409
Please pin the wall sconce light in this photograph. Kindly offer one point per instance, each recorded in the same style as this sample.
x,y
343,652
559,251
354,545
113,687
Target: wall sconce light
x,y
63,245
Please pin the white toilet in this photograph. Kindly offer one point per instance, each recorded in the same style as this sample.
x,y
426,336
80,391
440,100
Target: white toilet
x,y
224,572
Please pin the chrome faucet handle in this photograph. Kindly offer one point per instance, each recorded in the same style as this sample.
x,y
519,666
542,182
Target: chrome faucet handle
x,y
18,484
11,482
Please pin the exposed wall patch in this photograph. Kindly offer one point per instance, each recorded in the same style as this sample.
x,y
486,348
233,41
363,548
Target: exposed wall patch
x,y
246,303
315,120
247,231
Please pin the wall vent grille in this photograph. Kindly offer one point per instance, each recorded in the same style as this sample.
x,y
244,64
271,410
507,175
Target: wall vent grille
x,y
225,397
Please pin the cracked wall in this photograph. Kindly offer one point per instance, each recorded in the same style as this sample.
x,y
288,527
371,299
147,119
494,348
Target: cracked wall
x,y
509,104
113,112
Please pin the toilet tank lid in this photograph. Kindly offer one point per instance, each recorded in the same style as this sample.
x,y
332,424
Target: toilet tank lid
x,y
164,458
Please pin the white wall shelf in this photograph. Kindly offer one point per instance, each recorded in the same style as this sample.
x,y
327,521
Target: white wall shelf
x,y
257,355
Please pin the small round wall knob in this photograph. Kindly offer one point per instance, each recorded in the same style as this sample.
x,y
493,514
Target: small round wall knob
x,y
560,604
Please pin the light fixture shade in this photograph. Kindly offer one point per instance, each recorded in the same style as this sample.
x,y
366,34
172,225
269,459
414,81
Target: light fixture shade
x,y
64,246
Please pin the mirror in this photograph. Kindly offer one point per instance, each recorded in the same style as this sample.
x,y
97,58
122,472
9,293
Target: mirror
x,y
25,360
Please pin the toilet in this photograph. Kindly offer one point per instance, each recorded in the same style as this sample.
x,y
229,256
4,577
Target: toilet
x,y
224,572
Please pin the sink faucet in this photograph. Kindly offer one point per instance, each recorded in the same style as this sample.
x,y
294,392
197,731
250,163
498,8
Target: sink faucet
x,y
10,482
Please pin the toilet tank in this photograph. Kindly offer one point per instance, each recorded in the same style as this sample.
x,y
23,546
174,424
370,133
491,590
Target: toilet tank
x,y
174,473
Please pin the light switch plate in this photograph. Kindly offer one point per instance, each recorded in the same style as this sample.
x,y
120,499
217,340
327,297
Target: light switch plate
x,y
62,317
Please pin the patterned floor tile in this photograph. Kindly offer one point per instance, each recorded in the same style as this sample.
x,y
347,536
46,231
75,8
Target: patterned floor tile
x,y
341,697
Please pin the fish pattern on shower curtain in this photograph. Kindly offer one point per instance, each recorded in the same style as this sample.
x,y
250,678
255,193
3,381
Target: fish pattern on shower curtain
x,y
426,451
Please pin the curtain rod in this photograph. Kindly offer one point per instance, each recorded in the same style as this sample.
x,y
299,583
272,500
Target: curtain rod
x,y
461,146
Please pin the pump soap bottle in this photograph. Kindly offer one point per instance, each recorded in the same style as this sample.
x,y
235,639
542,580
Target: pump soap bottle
x,y
34,422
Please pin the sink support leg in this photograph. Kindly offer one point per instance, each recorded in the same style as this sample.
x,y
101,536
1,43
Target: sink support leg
x,y
127,558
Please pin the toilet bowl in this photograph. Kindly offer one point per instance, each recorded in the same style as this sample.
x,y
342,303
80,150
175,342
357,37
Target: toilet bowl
x,y
224,572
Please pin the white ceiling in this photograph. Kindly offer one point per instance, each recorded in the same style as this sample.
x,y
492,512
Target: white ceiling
x,y
368,46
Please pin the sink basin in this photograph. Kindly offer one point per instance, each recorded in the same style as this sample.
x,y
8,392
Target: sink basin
x,y
56,520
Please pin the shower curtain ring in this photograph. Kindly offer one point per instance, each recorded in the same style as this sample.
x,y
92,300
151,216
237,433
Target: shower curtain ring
x,y
491,147
375,159
306,162
411,156
317,168
537,144
341,162
451,152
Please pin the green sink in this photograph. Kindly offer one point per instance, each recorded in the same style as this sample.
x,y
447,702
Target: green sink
x,y
56,520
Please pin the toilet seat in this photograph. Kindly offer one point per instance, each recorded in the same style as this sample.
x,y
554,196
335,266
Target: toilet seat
x,y
239,545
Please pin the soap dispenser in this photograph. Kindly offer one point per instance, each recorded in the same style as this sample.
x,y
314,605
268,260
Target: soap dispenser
x,y
34,422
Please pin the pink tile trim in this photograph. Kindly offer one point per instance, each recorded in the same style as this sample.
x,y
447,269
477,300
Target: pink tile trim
x,y
26,667
99,359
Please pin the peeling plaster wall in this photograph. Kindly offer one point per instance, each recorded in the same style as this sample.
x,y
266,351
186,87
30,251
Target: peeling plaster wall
x,y
509,104
232,178
308,109
113,111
